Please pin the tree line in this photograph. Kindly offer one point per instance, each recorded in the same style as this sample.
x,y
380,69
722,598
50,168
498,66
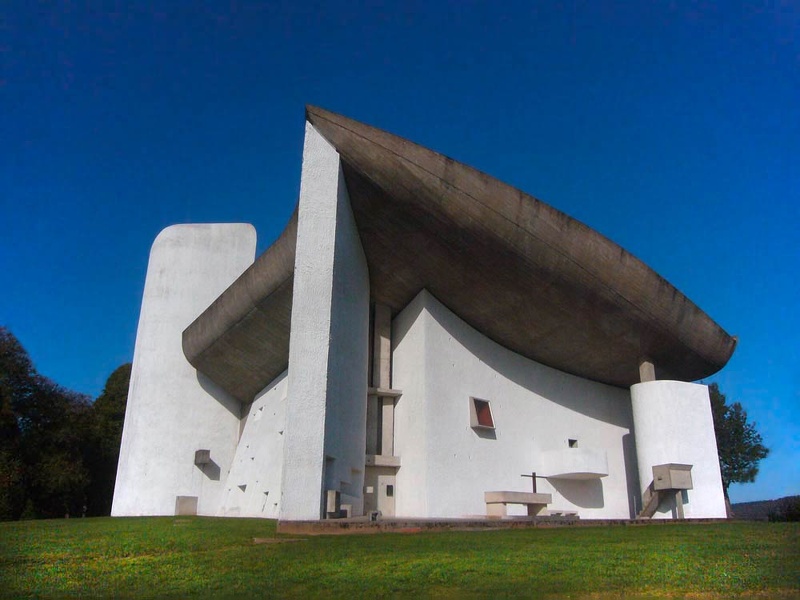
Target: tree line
x,y
58,449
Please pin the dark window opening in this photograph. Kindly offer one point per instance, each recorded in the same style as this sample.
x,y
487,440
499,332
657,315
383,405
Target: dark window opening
x,y
481,414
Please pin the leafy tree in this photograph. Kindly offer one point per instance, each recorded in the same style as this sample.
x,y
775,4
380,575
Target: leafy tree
x,y
44,432
108,414
54,426
739,445
786,509
16,380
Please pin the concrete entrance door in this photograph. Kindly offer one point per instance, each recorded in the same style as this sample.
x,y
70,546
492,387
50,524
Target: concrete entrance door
x,y
386,493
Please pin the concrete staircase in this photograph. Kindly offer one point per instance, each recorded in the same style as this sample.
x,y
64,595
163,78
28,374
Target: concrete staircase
x,y
670,479
650,501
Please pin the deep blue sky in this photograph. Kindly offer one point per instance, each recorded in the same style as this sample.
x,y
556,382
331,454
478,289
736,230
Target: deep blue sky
x,y
671,127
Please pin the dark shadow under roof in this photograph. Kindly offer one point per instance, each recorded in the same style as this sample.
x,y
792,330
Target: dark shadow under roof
x,y
524,274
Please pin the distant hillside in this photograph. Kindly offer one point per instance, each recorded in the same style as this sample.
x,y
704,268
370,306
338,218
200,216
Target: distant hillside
x,y
760,511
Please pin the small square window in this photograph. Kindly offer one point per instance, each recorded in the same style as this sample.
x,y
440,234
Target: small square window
x,y
480,414
572,443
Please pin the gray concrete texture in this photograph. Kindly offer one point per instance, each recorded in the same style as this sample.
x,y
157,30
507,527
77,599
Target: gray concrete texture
x,y
241,341
524,274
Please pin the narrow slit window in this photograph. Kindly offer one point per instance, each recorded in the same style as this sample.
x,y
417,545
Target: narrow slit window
x,y
481,414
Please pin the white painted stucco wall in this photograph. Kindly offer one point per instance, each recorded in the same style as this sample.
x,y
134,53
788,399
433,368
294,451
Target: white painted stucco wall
x,y
673,424
439,362
253,487
325,432
172,410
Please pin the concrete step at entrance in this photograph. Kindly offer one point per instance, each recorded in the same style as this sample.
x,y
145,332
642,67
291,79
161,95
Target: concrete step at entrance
x,y
651,499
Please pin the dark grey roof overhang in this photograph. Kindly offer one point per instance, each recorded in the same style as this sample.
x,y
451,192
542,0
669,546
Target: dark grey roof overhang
x,y
241,341
524,274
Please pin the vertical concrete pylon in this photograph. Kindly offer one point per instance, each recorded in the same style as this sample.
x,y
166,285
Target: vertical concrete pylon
x,y
325,431
672,422
647,370
173,410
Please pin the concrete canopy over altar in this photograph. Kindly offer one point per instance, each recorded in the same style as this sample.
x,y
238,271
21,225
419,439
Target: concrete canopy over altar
x,y
524,274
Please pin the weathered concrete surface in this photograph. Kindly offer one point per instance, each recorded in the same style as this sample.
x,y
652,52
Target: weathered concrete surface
x,y
400,525
526,275
241,341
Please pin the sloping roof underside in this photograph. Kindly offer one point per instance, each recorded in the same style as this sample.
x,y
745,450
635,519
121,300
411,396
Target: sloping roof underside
x,y
524,274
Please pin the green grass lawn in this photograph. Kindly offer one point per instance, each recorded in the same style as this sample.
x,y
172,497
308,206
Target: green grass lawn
x,y
204,557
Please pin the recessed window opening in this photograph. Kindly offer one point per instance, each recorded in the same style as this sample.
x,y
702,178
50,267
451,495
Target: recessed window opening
x,y
572,443
481,414
389,491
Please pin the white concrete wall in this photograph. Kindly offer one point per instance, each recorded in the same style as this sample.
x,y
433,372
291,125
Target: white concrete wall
x,y
172,410
446,466
326,411
348,361
412,427
673,424
253,487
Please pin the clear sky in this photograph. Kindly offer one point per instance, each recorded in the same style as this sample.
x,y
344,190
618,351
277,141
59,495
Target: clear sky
x,y
671,127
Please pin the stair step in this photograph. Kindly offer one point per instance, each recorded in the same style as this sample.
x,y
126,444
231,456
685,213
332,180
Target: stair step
x,y
652,498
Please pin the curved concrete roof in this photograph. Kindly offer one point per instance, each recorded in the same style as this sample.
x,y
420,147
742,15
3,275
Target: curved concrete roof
x,y
526,275
241,341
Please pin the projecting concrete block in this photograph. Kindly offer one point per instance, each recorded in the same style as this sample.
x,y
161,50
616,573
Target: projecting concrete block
x,y
672,477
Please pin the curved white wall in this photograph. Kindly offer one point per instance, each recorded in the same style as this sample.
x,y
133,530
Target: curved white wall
x,y
439,362
172,410
673,424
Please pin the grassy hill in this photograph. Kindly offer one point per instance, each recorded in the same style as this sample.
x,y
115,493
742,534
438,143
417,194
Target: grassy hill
x,y
204,557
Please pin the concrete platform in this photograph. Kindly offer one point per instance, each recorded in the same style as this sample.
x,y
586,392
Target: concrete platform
x,y
362,525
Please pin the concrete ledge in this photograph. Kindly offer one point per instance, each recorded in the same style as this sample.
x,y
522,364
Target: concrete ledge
x,y
516,498
362,525
497,502
574,463
384,392
381,460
